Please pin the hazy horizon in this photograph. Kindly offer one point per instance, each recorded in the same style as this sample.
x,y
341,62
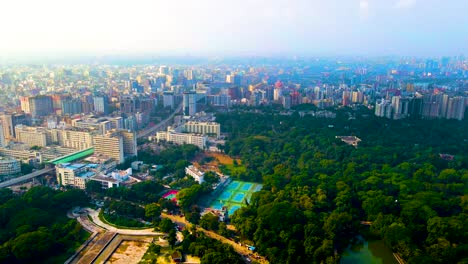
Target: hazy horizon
x,y
238,28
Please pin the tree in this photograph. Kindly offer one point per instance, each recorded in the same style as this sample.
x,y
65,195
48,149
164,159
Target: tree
x,y
153,211
94,187
193,216
340,228
166,225
71,198
187,197
172,237
32,245
209,221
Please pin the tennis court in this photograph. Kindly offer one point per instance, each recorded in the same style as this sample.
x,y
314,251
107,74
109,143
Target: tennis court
x,y
171,195
235,195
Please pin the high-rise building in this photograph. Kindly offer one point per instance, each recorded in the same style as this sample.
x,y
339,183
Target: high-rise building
x,y
431,106
345,98
220,100
2,136
383,108
415,107
110,145
357,97
188,74
129,143
456,108
71,106
168,99
190,103
40,106
101,104
134,104
24,103
163,70
9,121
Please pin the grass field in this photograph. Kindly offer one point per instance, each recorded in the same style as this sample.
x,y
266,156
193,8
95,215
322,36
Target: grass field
x,y
235,195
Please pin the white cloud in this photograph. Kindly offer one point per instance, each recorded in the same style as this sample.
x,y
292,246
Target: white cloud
x,y
405,4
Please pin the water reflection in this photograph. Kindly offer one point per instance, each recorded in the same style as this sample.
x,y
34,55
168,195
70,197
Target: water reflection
x,y
368,252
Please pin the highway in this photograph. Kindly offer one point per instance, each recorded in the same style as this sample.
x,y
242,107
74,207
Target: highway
x,y
147,132
26,177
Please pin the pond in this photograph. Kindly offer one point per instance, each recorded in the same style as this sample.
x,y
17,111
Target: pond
x,y
368,252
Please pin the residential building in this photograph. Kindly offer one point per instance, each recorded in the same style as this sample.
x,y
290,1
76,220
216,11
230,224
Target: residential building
x,y
204,128
190,103
101,104
10,121
182,138
2,136
31,136
40,106
111,145
73,138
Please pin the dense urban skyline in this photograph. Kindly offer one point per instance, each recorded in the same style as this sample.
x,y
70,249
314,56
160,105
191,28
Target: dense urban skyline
x,y
360,27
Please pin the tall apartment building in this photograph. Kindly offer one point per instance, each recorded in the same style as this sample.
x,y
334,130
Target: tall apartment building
x,y
456,108
190,103
132,104
383,109
400,107
9,121
101,104
205,128
24,103
31,136
2,136
40,105
129,143
71,106
111,145
168,99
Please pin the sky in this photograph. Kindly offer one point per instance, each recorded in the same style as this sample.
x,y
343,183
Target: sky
x,y
234,27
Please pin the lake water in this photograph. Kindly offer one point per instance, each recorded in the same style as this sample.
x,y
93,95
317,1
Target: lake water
x,y
369,252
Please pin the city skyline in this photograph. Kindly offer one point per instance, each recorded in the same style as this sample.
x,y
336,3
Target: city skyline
x,y
242,28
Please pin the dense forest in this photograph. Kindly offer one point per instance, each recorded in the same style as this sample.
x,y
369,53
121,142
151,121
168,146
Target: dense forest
x,y
317,189
34,227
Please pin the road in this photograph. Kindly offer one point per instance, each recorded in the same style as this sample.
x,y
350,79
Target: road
x,y
26,177
147,132
238,248
94,214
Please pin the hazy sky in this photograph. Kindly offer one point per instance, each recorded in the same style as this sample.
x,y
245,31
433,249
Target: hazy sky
x,y
234,27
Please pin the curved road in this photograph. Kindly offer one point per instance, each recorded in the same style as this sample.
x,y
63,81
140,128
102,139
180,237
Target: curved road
x,y
99,225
